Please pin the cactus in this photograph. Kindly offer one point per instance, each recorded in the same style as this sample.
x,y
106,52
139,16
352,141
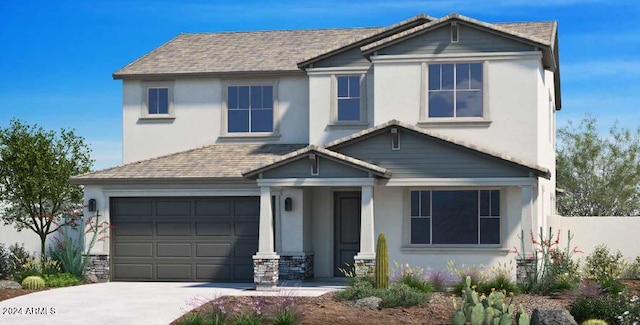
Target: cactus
x,y
477,315
382,263
594,322
33,283
458,316
522,318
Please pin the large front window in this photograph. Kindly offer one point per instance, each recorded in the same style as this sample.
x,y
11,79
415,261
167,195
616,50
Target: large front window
x,y
348,98
455,217
455,90
249,109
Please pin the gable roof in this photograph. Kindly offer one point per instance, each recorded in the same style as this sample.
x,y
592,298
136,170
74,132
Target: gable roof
x,y
217,161
376,170
358,136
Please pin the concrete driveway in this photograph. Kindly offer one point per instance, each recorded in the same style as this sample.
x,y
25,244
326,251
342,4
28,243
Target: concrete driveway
x,y
131,302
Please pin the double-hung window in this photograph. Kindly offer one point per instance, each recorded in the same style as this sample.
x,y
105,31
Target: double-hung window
x,y
349,101
455,217
455,90
157,100
250,109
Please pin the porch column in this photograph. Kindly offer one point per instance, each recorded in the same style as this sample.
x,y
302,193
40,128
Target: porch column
x,y
265,262
526,265
366,258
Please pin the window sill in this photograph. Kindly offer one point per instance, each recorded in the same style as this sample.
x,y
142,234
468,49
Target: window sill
x,y
452,122
347,125
498,250
156,119
248,137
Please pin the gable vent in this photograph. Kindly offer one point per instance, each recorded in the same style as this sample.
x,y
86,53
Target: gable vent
x,y
454,32
395,139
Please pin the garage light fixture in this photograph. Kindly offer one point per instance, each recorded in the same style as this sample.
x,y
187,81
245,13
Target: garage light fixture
x,y
288,204
92,205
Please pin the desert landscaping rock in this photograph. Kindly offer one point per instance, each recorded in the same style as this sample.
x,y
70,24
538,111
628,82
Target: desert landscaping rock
x,y
552,317
368,302
8,284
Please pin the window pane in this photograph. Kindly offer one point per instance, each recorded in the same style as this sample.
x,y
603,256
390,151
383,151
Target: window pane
x,y
262,120
455,217
232,97
462,76
434,77
152,97
495,203
441,104
490,231
267,97
420,230
238,120
447,76
349,109
469,103
354,86
343,86
256,97
415,203
425,203
476,75
163,101
484,203
243,97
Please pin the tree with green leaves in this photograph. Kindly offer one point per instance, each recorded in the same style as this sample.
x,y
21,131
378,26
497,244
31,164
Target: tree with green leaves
x,y
599,174
35,167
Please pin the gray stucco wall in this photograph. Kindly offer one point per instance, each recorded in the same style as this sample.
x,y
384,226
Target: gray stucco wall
x,y
302,168
349,58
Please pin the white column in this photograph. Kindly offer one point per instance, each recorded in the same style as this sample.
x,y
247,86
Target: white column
x,y
526,219
367,235
265,237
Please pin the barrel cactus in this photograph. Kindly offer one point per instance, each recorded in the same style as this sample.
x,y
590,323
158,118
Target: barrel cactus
x,y
595,322
33,283
382,263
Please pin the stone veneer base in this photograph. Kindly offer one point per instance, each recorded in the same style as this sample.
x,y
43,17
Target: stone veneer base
x,y
365,266
296,267
265,273
98,266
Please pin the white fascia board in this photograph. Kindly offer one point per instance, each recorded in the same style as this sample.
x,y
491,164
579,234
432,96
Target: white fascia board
x,y
493,181
181,192
316,182
448,57
337,70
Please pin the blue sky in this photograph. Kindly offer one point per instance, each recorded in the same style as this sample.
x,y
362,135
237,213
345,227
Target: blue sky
x,y
57,57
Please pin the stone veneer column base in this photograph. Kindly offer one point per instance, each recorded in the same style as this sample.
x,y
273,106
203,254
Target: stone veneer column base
x,y
524,267
365,266
296,267
265,272
98,268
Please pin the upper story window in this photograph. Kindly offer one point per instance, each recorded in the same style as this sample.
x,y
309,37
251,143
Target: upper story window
x,y
250,109
455,90
348,98
158,100
455,217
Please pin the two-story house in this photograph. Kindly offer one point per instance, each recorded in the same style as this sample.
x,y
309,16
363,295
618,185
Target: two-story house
x,y
283,154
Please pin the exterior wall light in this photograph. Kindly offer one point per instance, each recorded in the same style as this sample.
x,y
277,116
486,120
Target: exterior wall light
x,y
92,205
288,204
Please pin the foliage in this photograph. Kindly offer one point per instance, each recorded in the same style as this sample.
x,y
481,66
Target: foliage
x,y
193,318
632,313
5,259
35,167
595,322
631,269
600,174
607,307
285,311
439,279
382,263
475,273
33,282
23,266
397,295
414,277
60,280
605,267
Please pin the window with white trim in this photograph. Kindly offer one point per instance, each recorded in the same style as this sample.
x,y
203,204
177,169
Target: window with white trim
x,y
455,217
157,99
455,90
348,98
250,109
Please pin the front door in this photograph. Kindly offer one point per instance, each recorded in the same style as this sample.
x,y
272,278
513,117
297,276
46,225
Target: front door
x,y
346,207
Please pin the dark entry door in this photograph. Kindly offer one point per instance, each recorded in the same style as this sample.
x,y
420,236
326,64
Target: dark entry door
x,y
347,229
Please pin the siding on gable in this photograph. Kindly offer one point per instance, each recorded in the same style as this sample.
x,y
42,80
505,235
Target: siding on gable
x,y
470,40
350,58
302,168
420,157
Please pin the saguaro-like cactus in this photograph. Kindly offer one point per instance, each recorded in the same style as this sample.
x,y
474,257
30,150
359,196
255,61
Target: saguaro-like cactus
x,y
382,263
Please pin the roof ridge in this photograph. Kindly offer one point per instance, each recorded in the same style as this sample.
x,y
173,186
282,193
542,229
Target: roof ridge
x,y
279,30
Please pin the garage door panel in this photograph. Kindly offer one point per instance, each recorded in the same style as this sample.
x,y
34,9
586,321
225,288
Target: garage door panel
x,y
134,271
128,208
133,229
245,249
133,250
173,208
173,250
246,228
173,228
218,272
246,207
214,207
213,250
243,271
221,228
173,272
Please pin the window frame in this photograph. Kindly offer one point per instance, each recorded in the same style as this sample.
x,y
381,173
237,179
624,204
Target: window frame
x,y
425,120
225,108
146,86
335,99
407,240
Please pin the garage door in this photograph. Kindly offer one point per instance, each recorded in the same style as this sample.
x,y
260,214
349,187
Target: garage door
x,y
184,239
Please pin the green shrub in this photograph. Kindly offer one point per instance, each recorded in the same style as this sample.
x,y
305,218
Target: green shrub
x,y
605,267
33,282
631,270
285,317
413,277
69,254
4,262
248,319
360,287
60,280
606,307
21,263
401,295
499,282
192,318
